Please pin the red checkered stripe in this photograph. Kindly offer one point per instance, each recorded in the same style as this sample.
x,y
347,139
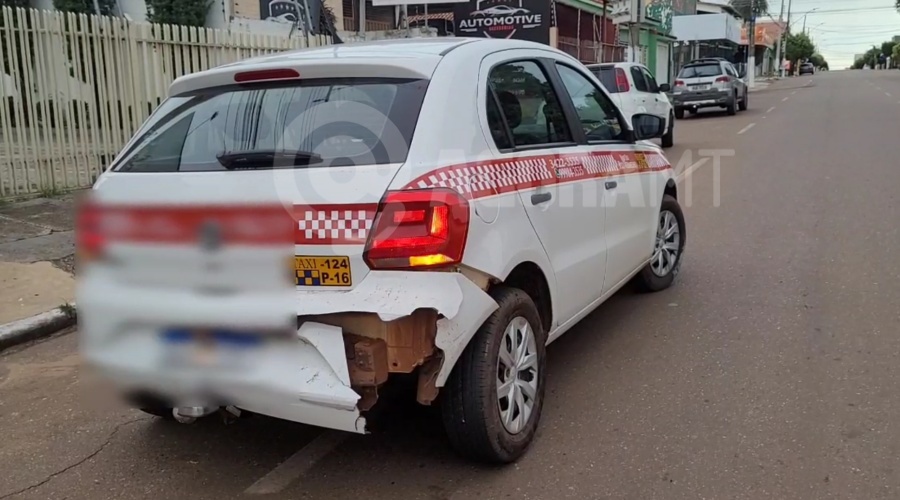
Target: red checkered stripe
x,y
477,180
350,224
334,224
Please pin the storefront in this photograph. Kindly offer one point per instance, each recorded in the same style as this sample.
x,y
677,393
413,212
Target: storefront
x,y
578,27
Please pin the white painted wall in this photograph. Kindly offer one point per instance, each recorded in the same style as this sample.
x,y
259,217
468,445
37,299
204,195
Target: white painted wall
x,y
706,27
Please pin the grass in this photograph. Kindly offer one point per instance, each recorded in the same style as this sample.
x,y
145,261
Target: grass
x,y
68,309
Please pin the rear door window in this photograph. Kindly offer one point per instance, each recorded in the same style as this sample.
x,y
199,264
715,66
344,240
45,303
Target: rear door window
x,y
311,124
528,105
607,77
700,70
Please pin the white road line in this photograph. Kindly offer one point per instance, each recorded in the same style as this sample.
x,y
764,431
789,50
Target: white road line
x,y
748,127
887,94
298,464
771,109
794,92
699,163
785,99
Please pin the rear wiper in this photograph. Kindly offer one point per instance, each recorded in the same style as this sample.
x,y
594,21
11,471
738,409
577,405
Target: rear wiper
x,y
263,159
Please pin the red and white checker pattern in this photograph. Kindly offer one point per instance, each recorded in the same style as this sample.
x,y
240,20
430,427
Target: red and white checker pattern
x,y
498,177
488,178
337,225
600,165
657,161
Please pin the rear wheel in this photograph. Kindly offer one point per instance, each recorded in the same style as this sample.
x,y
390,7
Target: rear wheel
x,y
743,105
665,262
668,140
732,106
679,113
492,402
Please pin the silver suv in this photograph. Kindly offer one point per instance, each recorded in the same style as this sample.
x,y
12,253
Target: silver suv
x,y
709,83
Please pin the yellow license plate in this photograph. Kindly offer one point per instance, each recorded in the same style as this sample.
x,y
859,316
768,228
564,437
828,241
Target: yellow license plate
x,y
322,271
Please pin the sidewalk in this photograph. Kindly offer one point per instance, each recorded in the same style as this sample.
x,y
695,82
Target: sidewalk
x,y
36,257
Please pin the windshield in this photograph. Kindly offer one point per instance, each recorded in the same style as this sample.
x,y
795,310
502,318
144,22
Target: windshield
x,y
700,71
329,123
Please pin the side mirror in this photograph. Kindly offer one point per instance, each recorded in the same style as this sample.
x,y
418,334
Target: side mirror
x,y
665,87
647,126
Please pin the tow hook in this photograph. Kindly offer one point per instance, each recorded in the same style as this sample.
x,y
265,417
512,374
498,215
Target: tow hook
x,y
190,414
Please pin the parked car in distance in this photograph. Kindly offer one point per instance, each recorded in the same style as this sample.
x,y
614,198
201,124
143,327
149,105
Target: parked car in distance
x,y
709,83
634,90
807,68
288,234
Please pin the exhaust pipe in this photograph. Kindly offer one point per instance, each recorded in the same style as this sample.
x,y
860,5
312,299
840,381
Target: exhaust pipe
x,y
190,414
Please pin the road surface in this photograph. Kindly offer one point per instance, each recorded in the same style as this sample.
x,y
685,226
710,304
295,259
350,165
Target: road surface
x,y
772,369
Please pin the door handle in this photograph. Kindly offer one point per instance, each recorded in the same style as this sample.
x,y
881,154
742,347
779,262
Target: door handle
x,y
611,184
538,198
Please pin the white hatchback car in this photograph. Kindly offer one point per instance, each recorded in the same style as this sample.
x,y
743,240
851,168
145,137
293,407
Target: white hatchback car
x,y
286,234
634,90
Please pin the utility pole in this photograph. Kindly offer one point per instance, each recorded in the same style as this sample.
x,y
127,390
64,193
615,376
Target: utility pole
x,y
778,50
804,25
784,34
751,39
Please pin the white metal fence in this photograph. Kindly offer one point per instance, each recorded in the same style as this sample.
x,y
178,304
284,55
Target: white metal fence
x,y
73,88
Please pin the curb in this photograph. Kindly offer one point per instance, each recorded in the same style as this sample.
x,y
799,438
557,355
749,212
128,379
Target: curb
x,y
35,327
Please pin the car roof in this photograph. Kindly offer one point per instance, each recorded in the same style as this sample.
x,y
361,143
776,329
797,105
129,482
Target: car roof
x,y
613,65
403,58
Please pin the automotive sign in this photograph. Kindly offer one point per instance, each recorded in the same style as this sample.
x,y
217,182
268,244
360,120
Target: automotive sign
x,y
519,19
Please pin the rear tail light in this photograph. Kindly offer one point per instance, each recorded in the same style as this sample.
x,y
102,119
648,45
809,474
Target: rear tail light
x,y
622,81
89,239
418,229
723,79
679,83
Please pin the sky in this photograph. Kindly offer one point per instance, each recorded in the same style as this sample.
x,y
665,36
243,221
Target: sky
x,y
842,28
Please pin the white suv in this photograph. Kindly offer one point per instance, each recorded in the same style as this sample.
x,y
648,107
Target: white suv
x,y
634,90
287,234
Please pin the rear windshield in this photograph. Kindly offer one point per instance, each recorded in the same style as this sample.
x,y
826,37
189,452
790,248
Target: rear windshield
x,y
310,124
607,77
700,70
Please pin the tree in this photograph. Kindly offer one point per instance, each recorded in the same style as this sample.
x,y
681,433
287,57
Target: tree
x,y
759,7
818,61
85,6
180,12
799,47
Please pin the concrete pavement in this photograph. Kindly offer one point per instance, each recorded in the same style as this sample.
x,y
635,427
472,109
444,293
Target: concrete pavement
x,y
36,256
772,370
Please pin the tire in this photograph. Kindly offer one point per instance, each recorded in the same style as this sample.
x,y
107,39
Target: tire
x,y
650,279
743,105
470,408
668,140
732,106
679,113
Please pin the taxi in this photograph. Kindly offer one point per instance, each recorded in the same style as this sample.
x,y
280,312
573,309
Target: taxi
x,y
288,234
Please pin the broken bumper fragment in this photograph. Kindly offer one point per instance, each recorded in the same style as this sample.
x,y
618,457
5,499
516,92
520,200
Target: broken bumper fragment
x,y
324,374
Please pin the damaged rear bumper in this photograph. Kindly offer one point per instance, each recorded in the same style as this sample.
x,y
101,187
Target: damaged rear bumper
x,y
346,343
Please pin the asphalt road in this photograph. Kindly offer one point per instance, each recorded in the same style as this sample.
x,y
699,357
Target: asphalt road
x,y
772,370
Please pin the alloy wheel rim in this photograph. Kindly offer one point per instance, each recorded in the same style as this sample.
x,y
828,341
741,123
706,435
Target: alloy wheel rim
x,y
668,243
517,375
